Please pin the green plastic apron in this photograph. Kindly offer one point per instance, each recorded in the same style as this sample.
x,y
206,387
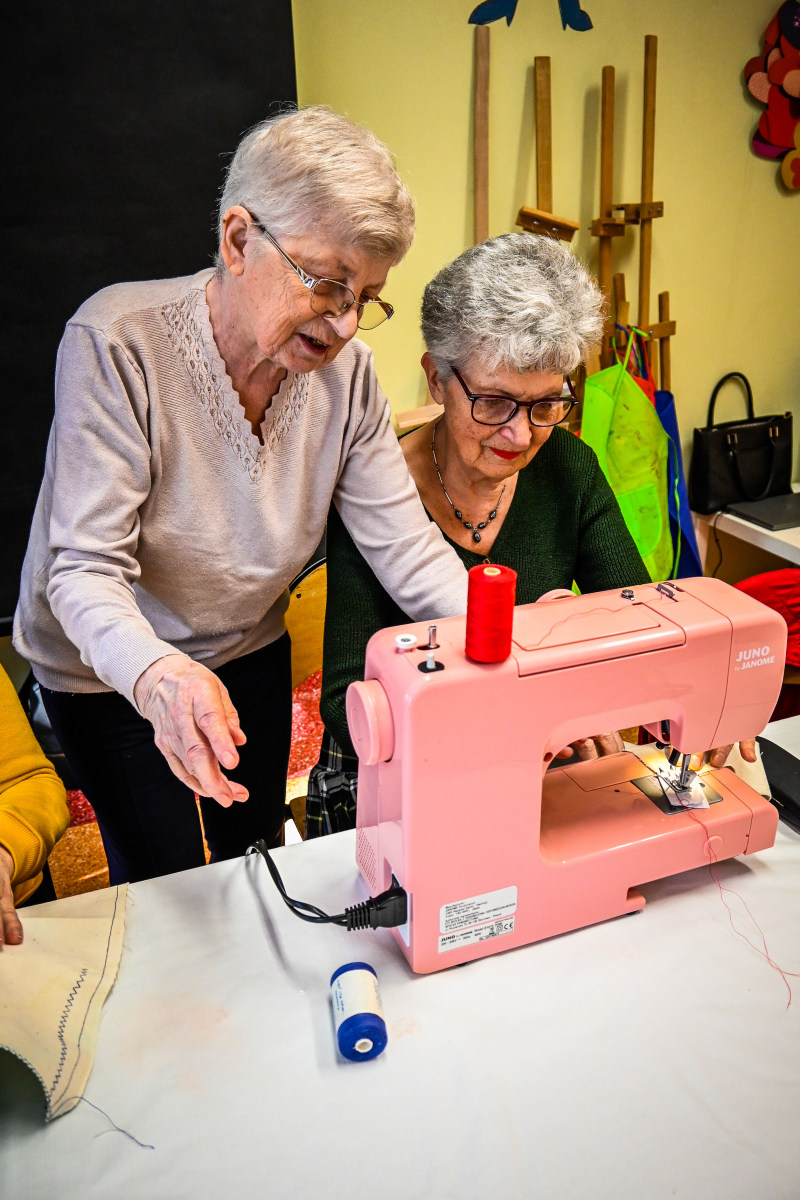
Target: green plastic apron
x,y
626,434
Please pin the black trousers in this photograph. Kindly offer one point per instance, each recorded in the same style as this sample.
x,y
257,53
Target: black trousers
x,y
147,817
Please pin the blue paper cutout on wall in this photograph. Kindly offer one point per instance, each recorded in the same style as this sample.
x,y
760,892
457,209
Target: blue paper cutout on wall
x,y
493,10
573,15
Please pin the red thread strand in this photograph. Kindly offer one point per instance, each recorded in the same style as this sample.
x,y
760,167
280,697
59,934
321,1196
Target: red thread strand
x,y
491,595
712,870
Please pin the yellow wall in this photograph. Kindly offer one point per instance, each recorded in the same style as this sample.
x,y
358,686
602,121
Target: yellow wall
x,y
728,249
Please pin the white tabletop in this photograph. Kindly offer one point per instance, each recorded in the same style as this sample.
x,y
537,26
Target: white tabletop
x,y
648,1057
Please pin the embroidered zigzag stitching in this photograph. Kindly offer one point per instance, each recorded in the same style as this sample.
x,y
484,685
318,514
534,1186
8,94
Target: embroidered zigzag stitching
x,y
62,1024
183,330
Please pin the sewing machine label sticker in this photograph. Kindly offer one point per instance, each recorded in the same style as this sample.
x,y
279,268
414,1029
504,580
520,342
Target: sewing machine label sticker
x,y
476,919
480,933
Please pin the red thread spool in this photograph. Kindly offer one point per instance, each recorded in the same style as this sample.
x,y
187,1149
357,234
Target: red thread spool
x,y
491,595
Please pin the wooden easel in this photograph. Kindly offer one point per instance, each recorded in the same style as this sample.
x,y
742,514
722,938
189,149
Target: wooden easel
x,y
541,219
481,133
607,226
642,213
611,223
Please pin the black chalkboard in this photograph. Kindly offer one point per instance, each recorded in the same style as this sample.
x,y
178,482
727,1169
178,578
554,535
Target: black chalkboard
x,y
118,122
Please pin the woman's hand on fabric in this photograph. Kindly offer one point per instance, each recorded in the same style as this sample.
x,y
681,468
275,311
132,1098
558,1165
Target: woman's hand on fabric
x,y
10,925
196,726
596,746
718,757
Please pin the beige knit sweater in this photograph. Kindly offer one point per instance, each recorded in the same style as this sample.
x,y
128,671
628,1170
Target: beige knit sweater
x,y
162,522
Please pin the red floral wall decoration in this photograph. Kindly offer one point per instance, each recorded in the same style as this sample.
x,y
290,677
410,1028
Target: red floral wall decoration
x,y
773,77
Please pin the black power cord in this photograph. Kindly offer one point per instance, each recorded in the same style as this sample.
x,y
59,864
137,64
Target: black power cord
x,y
385,911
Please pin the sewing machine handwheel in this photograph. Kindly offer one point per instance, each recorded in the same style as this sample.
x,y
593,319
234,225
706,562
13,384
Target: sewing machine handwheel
x,y
369,718
556,594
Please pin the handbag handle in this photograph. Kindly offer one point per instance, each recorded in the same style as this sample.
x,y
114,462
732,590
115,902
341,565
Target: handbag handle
x,y
774,433
724,380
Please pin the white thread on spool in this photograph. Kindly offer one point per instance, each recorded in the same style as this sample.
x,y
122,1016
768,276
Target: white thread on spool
x,y
405,642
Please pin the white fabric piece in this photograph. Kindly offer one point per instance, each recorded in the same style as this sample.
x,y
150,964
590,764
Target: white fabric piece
x,y
651,1056
752,773
53,987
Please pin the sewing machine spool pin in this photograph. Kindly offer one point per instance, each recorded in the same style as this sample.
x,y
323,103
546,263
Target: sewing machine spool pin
x,y
430,665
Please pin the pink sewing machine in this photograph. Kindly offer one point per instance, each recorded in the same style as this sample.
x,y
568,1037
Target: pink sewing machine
x,y
454,796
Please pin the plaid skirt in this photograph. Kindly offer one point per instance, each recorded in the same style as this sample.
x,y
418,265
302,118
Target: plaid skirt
x,y
332,791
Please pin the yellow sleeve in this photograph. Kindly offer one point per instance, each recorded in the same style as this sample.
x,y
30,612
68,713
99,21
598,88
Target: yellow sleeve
x,y
33,803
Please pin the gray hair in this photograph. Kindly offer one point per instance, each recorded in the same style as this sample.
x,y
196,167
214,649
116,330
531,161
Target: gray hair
x,y
313,169
519,301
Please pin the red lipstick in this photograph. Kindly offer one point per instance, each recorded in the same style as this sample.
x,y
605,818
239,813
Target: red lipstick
x,y
506,454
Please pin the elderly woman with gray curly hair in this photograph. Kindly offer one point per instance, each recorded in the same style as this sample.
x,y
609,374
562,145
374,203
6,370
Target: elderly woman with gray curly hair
x,y
498,472
203,426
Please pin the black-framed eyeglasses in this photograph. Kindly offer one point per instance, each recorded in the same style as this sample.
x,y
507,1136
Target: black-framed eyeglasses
x,y
330,297
499,410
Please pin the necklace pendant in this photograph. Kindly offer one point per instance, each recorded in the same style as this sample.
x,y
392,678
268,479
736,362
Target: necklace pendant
x,y
458,514
467,525
476,537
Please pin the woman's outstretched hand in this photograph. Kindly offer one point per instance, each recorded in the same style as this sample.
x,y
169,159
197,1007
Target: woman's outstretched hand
x,y
196,726
596,746
718,757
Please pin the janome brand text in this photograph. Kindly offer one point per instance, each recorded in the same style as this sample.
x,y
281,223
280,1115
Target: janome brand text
x,y
759,656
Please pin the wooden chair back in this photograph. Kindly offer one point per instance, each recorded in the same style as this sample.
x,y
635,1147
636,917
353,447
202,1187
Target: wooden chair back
x,y
305,620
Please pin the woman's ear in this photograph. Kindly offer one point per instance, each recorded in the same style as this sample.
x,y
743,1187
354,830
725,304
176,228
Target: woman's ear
x,y
234,239
435,386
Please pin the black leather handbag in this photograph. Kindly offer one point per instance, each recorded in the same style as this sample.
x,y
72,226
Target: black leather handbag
x,y
740,460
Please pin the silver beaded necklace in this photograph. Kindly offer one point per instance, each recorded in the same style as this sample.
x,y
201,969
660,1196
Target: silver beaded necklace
x,y
476,537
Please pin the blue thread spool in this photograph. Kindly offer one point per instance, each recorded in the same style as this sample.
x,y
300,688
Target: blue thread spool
x,y
357,1012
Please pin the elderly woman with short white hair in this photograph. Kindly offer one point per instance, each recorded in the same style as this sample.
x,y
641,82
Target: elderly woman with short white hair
x,y
202,427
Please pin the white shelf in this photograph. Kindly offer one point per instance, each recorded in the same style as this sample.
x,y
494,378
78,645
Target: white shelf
x,y
785,543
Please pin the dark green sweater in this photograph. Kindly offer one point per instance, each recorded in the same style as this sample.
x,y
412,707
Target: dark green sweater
x,y
563,524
